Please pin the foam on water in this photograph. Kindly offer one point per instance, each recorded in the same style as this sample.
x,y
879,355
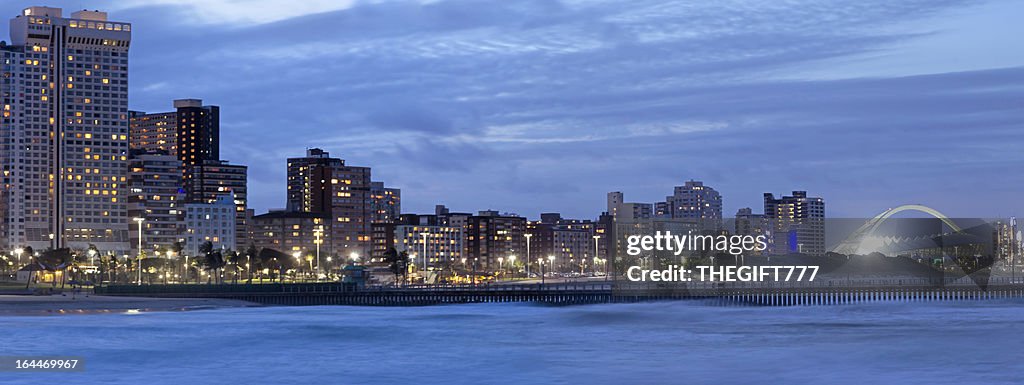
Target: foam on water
x,y
666,342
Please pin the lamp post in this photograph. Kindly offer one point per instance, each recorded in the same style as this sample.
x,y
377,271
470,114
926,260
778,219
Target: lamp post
x,y
92,259
318,233
594,267
139,259
501,264
424,235
411,265
540,265
19,251
528,236
298,257
551,259
512,263
329,265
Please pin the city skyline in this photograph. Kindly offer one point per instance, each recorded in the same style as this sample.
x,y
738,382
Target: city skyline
x,y
800,125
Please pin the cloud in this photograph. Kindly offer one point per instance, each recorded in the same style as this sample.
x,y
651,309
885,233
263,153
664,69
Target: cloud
x,y
239,12
533,106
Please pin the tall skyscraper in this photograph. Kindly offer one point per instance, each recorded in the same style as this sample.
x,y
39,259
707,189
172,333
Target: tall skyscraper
x,y
797,223
198,138
65,131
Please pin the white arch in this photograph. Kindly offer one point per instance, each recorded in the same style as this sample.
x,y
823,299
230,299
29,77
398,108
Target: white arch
x,y
852,243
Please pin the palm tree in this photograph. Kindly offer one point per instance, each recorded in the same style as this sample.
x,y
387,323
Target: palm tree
x,y
251,254
232,257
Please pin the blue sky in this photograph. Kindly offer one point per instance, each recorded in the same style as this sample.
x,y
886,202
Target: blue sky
x,y
535,106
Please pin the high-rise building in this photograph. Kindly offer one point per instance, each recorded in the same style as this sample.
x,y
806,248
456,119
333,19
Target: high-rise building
x,y
198,137
490,236
216,178
693,200
328,187
615,198
570,241
385,203
309,181
154,132
65,131
797,223
192,133
620,210
154,184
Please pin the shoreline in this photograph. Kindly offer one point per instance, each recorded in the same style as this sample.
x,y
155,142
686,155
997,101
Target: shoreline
x,y
58,304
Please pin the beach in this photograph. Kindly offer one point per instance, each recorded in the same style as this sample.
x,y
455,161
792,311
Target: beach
x,y
97,304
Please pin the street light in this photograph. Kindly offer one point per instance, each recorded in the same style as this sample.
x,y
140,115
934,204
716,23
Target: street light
x,y
551,258
139,259
354,256
528,236
501,263
18,251
512,263
596,237
540,264
318,232
424,235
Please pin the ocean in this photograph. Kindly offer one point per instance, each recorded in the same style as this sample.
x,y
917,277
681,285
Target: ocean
x,y
977,342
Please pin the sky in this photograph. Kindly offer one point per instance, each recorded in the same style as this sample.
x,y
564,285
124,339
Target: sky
x,y
534,106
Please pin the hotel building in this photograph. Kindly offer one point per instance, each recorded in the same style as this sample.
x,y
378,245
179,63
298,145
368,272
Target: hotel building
x,y
65,131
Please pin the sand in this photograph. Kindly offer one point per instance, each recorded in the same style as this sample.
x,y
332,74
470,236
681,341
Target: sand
x,y
97,304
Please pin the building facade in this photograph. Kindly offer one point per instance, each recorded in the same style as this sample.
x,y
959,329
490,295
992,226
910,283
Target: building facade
x,y
215,179
154,185
490,235
291,232
385,203
65,129
326,186
154,132
797,223
198,141
210,222
693,200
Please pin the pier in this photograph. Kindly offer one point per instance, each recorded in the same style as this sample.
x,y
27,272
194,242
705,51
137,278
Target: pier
x,y
832,292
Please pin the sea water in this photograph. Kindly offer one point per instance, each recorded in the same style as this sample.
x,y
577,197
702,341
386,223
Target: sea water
x,y
649,343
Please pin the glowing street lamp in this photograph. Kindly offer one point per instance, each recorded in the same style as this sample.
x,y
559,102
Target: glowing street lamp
x,y
318,232
512,262
528,236
18,252
424,235
139,259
